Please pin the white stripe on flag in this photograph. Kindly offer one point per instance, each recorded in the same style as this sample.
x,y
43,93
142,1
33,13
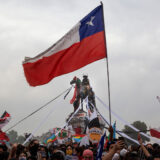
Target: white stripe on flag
x,y
65,42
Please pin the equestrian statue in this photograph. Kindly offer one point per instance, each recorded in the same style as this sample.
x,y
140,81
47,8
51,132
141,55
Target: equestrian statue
x,y
82,90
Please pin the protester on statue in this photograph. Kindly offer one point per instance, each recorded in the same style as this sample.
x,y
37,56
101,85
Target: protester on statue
x,y
91,97
85,80
85,87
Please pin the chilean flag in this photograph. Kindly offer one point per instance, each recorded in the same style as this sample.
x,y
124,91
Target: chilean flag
x,y
4,119
3,137
82,45
155,132
100,147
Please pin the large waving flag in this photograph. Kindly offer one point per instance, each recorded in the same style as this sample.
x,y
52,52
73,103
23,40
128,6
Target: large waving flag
x,y
4,119
82,45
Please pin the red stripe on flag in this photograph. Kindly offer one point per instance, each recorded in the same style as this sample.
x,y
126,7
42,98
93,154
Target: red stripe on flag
x,y
155,133
3,136
68,60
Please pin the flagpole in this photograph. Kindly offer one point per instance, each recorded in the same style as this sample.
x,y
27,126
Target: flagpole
x,y
107,67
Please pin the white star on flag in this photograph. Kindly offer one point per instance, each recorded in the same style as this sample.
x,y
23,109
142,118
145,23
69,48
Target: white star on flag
x,y
90,22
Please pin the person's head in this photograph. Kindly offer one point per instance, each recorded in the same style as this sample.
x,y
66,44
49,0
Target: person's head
x,y
63,148
33,141
4,146
22,156
1,151
20,149
155,145
149,148
69,150
156,153
103,154
123,152
4,154
1,148
33,147
43,151
87,154
85,76
116,156
75,151
58,155
52,149
80,151
131,156
149,145
31,158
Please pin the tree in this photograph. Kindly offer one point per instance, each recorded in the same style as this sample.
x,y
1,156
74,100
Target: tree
x,y
20,139
12,136
133,134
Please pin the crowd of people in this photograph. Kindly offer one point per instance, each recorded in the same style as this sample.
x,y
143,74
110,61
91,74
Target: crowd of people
x,y
116,149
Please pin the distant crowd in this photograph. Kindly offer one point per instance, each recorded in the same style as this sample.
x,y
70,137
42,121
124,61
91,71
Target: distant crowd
x,y
116,149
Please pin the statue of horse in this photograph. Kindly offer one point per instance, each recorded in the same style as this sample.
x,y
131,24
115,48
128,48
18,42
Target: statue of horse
x,y
82,90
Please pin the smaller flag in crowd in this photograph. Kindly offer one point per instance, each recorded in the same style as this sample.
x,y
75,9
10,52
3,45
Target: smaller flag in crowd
x,y
78,137
52,139
62,133
4,119
155,132
100,147
3,137
114,130
93,117
84,141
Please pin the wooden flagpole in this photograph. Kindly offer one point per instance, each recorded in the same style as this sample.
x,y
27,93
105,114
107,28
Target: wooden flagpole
x,y
107,68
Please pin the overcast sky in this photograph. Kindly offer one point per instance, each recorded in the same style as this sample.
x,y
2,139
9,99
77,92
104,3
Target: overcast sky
x,y
28,27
